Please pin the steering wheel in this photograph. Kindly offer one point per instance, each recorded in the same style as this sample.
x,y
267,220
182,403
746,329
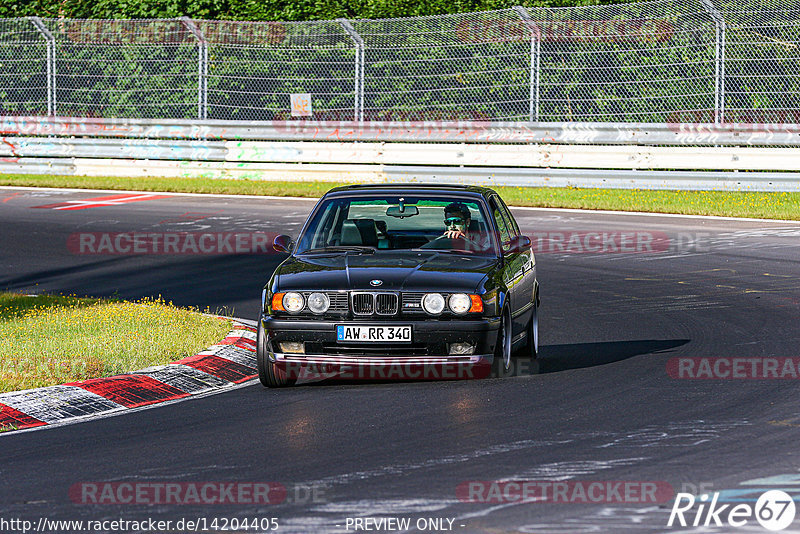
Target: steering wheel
x,y
447,243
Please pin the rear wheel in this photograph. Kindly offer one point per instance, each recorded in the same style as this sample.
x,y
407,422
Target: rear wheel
x,y
269,373
531,349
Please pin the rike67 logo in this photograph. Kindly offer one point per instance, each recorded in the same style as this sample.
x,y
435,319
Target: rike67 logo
x,y
774,510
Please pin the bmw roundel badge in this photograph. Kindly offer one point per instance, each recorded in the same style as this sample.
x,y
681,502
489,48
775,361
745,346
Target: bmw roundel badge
x,y
375,283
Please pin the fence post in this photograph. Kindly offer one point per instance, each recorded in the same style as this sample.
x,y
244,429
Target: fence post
x,y
536,52
359,78
719,82
51,64
202,67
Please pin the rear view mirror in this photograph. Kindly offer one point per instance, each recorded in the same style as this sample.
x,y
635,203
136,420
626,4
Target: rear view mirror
x,y
402,211
283,243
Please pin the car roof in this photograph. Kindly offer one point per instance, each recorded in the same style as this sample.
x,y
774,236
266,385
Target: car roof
x,y
412,188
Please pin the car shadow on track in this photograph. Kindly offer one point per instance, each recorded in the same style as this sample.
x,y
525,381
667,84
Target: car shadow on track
x,y
555,358
552,359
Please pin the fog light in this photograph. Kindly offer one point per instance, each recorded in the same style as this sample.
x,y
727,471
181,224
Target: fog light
x,y
292,347
461,349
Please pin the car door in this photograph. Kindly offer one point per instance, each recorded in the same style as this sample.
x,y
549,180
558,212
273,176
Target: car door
x,y
513,261
528,261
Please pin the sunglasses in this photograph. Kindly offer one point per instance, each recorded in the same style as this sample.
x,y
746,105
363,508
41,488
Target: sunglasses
x,y
454,221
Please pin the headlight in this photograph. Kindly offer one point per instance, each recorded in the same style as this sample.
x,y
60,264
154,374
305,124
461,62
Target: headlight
x,y
459,303
293,302
318,302
433,303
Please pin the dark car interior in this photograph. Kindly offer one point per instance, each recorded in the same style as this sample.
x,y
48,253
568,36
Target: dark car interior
x,y
372,233
395,224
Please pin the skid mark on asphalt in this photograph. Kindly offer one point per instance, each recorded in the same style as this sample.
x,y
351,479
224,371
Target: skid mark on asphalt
x,y
367,507
393,470
684,434
704,289
99,202
607,519
560,471
189,217
12,196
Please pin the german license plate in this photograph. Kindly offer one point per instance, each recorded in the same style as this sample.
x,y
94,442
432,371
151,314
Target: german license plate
x,y
374,334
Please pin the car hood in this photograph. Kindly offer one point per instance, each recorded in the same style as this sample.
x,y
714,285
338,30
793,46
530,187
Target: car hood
x,y
410,271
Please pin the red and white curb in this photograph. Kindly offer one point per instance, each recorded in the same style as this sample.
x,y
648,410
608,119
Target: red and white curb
x,y
229,362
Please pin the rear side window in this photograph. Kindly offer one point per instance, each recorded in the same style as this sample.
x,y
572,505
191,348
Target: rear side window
x,y
504,226
513,227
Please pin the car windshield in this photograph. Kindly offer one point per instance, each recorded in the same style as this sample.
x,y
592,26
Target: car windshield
x,y
380,222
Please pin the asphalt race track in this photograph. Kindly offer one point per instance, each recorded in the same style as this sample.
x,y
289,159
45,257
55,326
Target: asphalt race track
x,y
602,406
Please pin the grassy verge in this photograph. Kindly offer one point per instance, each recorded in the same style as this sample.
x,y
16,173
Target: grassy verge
x,y
50,340
731,204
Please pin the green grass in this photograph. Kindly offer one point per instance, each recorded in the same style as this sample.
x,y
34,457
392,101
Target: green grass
x,y
50,340
732,204
172,185
784,206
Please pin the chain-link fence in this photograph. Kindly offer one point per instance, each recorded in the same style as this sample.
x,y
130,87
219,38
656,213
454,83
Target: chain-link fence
x,y
664,60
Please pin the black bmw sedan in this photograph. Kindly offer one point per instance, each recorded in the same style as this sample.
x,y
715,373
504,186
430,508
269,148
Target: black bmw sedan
x,y
400,281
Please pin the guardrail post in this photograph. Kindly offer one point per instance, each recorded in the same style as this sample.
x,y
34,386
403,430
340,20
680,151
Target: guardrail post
x,y
719,74
202,67
536,52
358,105
51,64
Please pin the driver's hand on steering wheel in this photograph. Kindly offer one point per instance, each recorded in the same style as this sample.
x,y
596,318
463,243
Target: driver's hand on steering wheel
x,y
455,234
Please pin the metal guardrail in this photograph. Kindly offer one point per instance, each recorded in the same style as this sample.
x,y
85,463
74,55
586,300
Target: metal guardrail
x,y
601,133
529,154
529,177
440,154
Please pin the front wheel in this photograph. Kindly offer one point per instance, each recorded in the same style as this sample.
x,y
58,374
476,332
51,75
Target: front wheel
x,y
269,373
502,349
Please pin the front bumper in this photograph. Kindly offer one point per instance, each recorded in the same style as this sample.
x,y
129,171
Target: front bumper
x,y
429,344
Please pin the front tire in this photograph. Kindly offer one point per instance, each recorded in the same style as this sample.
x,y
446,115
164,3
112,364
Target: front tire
x,y
269,373
502,349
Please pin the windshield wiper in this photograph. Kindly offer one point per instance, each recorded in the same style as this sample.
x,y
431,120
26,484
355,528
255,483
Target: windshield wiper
x,y
444,250
340,248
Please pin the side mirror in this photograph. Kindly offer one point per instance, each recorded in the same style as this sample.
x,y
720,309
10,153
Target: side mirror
x,y
283,243
520,243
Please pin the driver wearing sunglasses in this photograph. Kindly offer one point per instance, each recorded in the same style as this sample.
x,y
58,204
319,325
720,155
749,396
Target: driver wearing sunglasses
x,y
456,221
